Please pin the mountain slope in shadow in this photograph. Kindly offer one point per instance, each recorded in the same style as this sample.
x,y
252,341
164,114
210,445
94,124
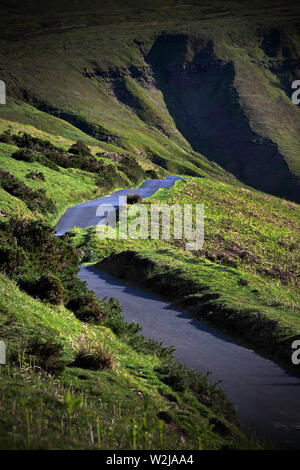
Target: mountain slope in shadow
x,y
200,95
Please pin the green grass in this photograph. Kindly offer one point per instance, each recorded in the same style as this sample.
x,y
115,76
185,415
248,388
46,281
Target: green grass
x,y
244,229
114,409
72,92
64,188
247,270
100,74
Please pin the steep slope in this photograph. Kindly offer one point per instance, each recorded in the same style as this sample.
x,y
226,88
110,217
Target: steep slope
x,y
173,84
73,410
245,279
204,98
200,89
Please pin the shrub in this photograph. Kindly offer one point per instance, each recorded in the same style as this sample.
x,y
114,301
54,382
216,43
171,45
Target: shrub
x,y
175,375
134,199
87,307
24,155
141,344
151,174
12,257
80,148
37,347
51,289
62,159
93,359
47,353
45,158
46,287
32,149
46,162
33,251
35,200
220,427
131,168
35,175
181,379
27,233
24,140
108,176
29,251
7,137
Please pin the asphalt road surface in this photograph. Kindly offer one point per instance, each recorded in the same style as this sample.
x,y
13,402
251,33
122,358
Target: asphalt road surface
x,y
84,215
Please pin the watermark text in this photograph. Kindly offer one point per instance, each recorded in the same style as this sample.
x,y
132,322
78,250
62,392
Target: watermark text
x,y
152,221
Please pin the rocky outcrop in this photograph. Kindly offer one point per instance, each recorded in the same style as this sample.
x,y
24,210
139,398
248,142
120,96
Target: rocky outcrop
x,y
202,97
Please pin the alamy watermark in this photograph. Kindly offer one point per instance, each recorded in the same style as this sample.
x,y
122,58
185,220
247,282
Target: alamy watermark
x,y
2,92
296,94
2,353
296,354
154,221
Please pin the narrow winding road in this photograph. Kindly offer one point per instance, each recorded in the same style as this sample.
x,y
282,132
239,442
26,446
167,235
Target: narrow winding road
x,y
266,396
84,215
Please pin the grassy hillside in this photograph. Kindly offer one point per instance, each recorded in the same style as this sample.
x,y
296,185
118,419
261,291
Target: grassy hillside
x,y
57,172
244,280
72,359
123,400
102,96
171,83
